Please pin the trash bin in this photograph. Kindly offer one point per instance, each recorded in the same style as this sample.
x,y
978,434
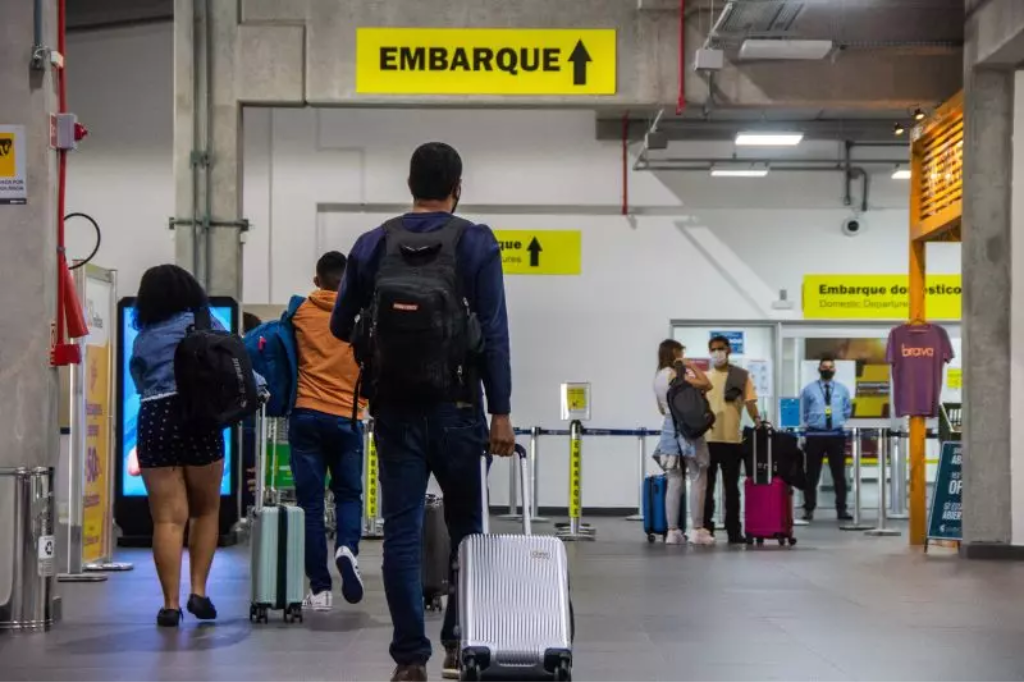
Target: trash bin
x,y
28,549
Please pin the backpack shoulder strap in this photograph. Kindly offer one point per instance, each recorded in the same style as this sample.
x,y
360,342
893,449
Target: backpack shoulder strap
x,y
293,306
201,316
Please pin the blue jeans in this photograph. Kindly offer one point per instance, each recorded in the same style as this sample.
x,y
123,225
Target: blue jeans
x,y
447,441
321,442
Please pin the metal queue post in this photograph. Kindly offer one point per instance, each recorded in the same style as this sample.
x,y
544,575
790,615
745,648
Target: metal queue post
x,y
856,525
641,472
575,410
884,444
898,480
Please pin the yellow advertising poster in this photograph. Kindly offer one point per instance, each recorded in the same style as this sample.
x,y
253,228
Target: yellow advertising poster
x,y
485,61
12,165
541,252
97,454
877,297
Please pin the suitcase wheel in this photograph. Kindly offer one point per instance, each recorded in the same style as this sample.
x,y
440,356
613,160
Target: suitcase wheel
x,y
563,672
650,537
782,542
760,542
470,670
750,540
792,540
258,614
293,613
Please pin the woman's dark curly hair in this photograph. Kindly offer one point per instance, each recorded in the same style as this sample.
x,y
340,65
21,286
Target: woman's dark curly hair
x,y
165,291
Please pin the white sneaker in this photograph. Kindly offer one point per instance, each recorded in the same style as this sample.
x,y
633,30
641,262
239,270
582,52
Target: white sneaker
x,y
323,601
702,537
675,537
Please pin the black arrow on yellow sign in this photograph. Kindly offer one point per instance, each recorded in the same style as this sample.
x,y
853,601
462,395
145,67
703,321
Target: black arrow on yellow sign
x,y
534,248
579,58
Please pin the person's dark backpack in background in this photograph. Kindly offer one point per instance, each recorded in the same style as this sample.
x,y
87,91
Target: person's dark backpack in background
x,y
689,408
417,341
214,376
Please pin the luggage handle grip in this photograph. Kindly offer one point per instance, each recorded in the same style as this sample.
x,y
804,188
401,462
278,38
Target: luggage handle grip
x,y
524,485
261,460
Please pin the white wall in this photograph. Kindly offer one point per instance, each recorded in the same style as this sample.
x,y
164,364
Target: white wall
x,y
713,249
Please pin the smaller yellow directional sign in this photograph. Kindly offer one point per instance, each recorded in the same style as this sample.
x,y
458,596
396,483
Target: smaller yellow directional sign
x,y
485,61
541,252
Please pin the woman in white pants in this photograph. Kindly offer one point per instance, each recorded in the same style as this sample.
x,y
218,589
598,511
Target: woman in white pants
x,y
674,451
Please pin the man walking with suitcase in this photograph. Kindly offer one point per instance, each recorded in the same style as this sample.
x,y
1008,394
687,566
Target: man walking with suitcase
x,y
423,302
732,390
825,407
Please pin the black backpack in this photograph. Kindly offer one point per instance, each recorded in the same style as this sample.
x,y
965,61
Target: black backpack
x,y
213,372
417,341
689,408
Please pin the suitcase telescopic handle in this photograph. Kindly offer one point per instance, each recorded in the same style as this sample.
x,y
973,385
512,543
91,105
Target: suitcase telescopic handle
x,y
261,458
524,485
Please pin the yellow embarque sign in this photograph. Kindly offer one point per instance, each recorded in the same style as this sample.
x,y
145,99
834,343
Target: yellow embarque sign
x,y
877,297
485,61
540,252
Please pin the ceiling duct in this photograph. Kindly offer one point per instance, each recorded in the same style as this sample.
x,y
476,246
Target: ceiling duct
x,y
757,17
780,49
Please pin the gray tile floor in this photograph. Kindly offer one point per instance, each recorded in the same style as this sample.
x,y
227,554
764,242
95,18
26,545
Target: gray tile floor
x,y
837,606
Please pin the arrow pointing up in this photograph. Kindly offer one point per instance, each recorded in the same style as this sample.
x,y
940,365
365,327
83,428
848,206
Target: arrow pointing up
x,y
534,248
579,58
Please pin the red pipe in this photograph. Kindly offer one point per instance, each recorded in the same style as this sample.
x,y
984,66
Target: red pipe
x,y
681,103
626,163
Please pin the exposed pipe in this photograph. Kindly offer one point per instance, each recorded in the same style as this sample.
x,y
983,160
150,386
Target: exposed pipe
x,y
62,170
625,163
208,145
38,50
681,103
194,159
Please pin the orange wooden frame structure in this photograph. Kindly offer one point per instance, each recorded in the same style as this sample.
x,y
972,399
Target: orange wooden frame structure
x,y
936,210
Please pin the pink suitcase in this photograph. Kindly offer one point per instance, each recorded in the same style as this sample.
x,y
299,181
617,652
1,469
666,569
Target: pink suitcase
x,y
768,513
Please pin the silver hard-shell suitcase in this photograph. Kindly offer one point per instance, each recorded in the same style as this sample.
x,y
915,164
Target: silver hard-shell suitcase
x,y
515,616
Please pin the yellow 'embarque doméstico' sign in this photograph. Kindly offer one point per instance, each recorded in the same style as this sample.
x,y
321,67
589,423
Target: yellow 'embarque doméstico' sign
x,y
485,61
877,297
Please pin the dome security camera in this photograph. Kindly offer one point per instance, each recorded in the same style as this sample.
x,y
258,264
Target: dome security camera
x,y
853,227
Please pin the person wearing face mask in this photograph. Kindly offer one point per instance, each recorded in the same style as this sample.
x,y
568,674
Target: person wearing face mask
x,y
732,391
825,406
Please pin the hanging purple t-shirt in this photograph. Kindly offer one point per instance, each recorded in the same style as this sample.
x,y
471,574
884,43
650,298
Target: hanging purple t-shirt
x,y
917,354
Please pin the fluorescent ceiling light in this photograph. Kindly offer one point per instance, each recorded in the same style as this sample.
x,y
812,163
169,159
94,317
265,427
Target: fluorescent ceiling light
x,y
740,171
768,139
901,174
782,49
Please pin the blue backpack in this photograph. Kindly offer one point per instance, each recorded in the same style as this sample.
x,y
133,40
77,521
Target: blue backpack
x,y
274,354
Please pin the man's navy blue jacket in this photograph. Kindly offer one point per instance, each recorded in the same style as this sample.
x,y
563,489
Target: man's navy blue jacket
x,y
479,266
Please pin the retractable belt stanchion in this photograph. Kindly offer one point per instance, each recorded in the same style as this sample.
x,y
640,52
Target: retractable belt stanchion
x,y
534,496
856,525
641,470
884,443
513,494
371,495
576,530
898,481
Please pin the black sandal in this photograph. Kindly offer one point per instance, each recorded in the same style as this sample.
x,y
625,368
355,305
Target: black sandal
x,y
201,607
169,618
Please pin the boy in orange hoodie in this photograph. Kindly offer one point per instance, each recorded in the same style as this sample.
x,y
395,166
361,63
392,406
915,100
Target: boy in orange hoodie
x,y
324,438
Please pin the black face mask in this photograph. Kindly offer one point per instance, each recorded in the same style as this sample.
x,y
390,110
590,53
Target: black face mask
x,y
827,374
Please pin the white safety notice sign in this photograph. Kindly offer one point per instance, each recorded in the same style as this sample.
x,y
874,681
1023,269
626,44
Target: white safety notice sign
x,y
13,189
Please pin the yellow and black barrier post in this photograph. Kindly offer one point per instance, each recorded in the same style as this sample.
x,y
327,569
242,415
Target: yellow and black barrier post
x,y
371,486
576,530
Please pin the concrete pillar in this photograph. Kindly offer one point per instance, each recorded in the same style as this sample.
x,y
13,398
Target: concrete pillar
x,y
987,278
28,399
207,144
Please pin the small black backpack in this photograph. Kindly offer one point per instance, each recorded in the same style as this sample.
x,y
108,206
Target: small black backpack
x,y
214,375
689,408
418,339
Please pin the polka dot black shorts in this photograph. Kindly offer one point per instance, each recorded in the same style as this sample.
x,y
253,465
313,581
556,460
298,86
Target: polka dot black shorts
x,y
165,441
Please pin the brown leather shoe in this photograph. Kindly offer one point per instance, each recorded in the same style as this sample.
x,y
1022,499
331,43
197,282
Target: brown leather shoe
x,y
410,673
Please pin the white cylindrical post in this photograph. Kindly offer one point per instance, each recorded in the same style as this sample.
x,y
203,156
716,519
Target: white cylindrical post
x,y
898,480
534,486
883,456
641,470
856,525
513,489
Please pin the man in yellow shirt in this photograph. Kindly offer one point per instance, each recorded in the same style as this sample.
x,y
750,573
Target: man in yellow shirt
x,y
732,389
323,437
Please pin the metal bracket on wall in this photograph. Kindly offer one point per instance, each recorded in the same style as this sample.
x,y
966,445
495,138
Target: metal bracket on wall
x,y
243,224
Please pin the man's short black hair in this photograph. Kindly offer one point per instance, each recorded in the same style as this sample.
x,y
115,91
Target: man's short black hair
x,y
826,358
719,339
434,171
330,269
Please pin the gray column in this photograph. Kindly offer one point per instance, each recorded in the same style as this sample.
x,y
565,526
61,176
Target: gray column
x,y
987,277
28,399
207,121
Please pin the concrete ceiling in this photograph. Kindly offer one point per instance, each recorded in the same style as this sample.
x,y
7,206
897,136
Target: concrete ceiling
x,y
94,14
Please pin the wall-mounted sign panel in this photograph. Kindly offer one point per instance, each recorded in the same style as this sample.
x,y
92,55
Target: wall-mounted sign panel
x,y
877,297
13,189
541,252
491,61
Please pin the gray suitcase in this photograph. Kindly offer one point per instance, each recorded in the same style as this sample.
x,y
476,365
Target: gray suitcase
x,y
514,610
278,548
436,559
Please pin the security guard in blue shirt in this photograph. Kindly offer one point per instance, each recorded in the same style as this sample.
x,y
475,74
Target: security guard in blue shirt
x,y
825,406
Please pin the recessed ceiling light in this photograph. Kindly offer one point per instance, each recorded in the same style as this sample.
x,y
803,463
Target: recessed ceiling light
x,y
768,139
739,171
901,174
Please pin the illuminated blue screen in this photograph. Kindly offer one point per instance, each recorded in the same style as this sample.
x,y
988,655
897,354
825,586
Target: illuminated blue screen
x,y
132,486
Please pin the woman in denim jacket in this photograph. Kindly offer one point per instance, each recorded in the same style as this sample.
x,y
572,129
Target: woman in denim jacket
x,y
181,467
675,453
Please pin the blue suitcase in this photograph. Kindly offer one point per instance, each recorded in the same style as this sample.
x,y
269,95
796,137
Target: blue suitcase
x,y
655,520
